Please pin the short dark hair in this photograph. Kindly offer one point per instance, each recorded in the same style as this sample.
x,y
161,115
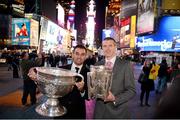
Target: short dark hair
x,y
81,47
109,38
23,54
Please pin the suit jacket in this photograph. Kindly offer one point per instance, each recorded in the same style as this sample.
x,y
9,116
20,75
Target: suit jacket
x,y
123,88
73,101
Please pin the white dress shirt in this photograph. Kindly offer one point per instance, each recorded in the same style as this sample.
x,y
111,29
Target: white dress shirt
x,y
74,69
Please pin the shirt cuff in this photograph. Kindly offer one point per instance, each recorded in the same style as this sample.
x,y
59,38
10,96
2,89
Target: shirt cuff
x,y
114,103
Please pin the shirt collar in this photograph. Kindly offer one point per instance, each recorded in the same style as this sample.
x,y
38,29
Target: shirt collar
x,y
74,65
111,60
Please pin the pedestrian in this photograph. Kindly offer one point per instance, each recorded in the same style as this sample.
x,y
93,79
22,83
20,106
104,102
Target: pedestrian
x,y
169,106
75,100
15,66
147,85
175,71
115,105
162,74
29,87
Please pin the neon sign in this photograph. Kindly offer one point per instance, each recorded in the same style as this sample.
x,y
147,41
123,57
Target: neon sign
x,y
166,39
163,45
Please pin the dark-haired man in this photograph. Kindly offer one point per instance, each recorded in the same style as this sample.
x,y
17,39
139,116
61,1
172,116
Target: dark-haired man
x,y
75,100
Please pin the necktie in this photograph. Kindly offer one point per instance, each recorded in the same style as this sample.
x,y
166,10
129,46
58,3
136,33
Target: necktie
x,y
78,79
109,65
77,69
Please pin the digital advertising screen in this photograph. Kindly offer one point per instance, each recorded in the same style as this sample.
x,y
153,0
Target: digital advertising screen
x,y
34,33
52,33
60,16
146,16
166,39
133,31
44,26
20,31
129,8
125,33
107,33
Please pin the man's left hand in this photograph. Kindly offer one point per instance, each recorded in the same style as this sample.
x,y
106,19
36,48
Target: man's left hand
x,y
110,97
80,85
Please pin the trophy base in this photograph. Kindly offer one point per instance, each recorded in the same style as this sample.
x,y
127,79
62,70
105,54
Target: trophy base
x,y
51,108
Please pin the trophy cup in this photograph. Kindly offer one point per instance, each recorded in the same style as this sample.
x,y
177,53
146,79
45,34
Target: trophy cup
x,y
54,83
99,81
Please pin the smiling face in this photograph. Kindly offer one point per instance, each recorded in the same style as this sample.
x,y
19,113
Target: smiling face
x,y
79,56
109,48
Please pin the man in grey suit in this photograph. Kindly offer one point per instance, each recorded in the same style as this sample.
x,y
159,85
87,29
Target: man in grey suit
x,y
115,105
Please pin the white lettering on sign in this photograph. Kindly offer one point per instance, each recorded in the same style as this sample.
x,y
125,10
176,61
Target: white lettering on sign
x,y
164,44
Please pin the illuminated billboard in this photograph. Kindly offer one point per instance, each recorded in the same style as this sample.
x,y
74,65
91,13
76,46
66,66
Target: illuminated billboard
x,y
166,39
52,32
20,31
107,33
129,8
34,33
54,37
60,16
44,25
127,32
145,20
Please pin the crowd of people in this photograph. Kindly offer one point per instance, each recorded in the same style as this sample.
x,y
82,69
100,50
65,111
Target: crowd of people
x,y
167,86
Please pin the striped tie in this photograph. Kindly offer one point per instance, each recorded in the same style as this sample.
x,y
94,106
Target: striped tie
x,y
109,65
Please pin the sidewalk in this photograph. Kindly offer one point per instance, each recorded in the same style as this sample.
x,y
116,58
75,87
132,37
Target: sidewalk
x,y
8,84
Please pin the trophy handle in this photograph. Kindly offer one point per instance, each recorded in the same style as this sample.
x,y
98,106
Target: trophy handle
x,y
79,78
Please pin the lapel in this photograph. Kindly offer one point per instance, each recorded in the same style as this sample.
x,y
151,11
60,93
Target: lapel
x,y
83,69
115,68
116,64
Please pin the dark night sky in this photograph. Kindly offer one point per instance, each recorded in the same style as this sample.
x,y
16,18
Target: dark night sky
x,y
100,15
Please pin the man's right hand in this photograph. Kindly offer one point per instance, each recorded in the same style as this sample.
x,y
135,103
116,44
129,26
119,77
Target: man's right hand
x,y
32,73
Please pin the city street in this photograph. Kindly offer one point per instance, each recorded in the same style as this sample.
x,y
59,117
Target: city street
x,y
11,92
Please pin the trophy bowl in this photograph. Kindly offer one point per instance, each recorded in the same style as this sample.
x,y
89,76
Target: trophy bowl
x,y
54,83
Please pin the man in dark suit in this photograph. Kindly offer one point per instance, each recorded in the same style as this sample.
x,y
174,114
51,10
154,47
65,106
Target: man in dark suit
x,y
75,100
115,105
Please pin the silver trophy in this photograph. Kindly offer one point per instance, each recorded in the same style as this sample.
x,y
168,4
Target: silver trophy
x,y
54,83
99,81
